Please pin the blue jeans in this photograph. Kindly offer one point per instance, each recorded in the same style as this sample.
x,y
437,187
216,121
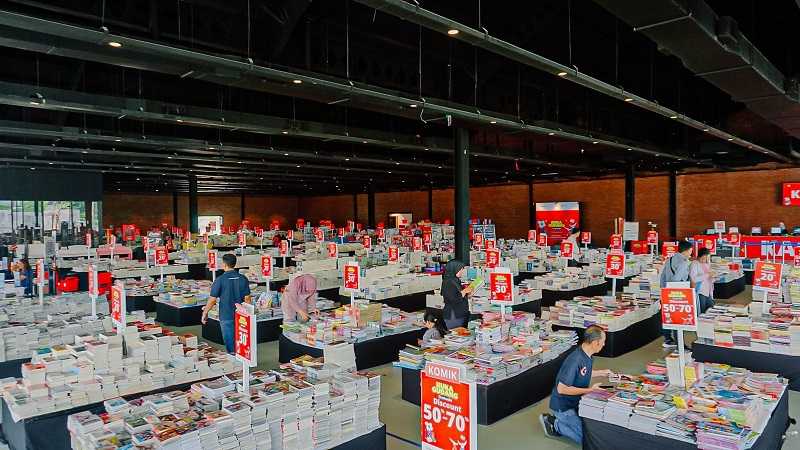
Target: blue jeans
x,y
704,302
227,334
569,425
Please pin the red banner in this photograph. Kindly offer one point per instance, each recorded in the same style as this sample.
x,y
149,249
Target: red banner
x,y
763,247
501,286
266,266
678,309
791,194
557,219
352,277
767,276
448,409
615,265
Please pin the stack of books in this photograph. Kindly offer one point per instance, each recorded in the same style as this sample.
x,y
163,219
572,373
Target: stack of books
x,y
610,313
777,331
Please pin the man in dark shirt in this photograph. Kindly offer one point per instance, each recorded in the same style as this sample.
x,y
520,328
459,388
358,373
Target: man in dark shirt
x,y
571,383
229,290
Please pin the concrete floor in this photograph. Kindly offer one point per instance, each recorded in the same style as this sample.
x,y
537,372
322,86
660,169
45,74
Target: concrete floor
x,y
518,431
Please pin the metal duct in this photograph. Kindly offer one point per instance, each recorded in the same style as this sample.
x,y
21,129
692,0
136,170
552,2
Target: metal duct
x,y
714,49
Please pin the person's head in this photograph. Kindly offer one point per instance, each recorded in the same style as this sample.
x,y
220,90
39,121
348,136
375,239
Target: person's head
x,y
575,231
24,265
594,339
703,255
228,261
454,269
434,321
685,248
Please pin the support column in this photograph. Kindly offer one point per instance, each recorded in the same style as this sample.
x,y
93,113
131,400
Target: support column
x,y
673,205
461,194
241,208
371,207
193,222
175,208
87,208
355,208
430,203
36,212
531,207
630,194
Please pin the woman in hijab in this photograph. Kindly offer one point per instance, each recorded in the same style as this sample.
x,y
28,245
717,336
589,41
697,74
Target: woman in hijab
x,y
456,306
300,299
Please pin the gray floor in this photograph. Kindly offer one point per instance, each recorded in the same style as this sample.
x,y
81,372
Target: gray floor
x,y
518,431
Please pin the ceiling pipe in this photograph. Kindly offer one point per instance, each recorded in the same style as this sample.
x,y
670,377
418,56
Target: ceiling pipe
x,y
482,39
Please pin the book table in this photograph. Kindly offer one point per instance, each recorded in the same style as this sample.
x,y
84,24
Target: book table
x,y
635,336
729,289
550,297
787,366
408,303
171,315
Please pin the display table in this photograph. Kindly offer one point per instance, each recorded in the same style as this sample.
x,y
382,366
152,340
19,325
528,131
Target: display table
x,y
267,330
620,342
374,440
502,398
408,303
369,353
549,298
522,276
12,368
140,302
748,276
729,289
533,307
178,317
786,366
599,435
154,272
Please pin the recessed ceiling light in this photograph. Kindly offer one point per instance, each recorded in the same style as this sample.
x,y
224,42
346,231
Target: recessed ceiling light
x,y
628,99
115,44
156,190
363,142
673,116
285,132
180,120
285,154
562,74
390,171
137,179
413,105
722,152
730,138
50,163
347,159
84,152
298,166
452,32
169,157
297,81
33,168
397,163
594,142
551,134
117,140
492,122
705,129
629,149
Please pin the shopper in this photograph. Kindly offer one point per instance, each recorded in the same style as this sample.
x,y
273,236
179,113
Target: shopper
x,y
25,276
300,299
572,382
229,290
456,305
574,233
703,278
676,269
436,329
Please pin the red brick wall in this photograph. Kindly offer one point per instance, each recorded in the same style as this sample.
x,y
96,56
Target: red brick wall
x,y
227,206
652,204
363,209
338,208
443,205
506,205
415,202
143,210
262,210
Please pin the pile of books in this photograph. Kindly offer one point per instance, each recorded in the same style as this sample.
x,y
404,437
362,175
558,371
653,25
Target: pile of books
x,y
777,331
99,366
723,408
393,280
492,349
171,286
568,280
285,409
613,314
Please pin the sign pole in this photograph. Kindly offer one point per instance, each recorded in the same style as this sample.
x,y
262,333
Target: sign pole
x,y
681,357
764,306
613,287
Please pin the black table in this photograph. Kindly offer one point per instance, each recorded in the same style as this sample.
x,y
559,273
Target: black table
x,y
522,276
178,317
369,353
198,271
729,289
549,298
266,330
140,302
12,368
748,276
786,366
620,342
374,440
408,303
503,398
621,283
533,307
599,435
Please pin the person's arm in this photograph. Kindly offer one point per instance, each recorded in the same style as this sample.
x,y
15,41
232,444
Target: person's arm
x,y
563,389
209,305
312,304
602,373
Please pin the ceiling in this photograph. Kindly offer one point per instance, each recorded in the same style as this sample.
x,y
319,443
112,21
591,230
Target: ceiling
x,y
307,98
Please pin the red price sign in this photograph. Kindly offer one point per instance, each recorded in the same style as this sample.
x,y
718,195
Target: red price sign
x,y
501,286
319,235
266,266
678,309
615,242
290,235
427,239
492,258
205,238
797,259
212,226
300,224
567,249
366,241
352,277
767,276
586,237
275,225
652,237
283,248
162,256
615,265
245,335
448,405
719,226
89,240
477,240
212,260
416,244
241,238
542,240
734,239
531,235
709,242
40,277
351,225
381,233
117,306
91,274
491,243
394,254
333,250
341,232
668,249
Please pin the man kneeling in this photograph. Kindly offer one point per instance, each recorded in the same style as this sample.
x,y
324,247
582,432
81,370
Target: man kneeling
x,y
571,383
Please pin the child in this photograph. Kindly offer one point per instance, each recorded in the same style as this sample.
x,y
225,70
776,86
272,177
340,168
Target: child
x,y
436,329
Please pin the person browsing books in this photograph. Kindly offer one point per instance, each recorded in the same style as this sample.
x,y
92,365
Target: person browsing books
x,y
703,278
436,329
229,290
456,305
676,269
572,382
300,298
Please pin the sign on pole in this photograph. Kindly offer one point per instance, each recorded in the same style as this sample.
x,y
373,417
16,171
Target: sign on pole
x,y
245,339
668,249
477,240
211,256
448,405
586,237
679,312
492,258
266,268
366,241
40,277
352,279
615,269
94,291
567,250
333,250
542,240
117,306
501,286
531,235
615,242
394,254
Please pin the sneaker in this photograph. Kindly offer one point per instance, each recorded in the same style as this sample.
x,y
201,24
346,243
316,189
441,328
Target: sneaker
x,y
548,422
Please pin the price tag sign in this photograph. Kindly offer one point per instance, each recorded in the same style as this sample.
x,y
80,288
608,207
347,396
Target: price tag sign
x,y
366,241
117,306
91,274
492,258
567,249
448,406
300,224
352,276
668,249
351,225
290,235
679,309
319,235
797,259
242,240
162,256
266,266
615,242
416,244
333,250
767,276
283,248
275,225
245,334
212,260
542,240
652,237
477,240
531,235
586,237
89,240
381,233
615,265
734,239
490,243
340,232
40,272
427,239
719,226
394,254
501,286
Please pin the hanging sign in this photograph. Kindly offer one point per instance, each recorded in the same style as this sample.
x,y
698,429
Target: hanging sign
x,y
394,254
679,309
448,405
767,276
615,265
501,286
492,258
352,276
162,256
266,266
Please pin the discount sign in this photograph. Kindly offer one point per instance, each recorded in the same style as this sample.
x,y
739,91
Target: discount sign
x,y
266,266
668,249
416,244
352,276
531,235
709,242
283,248
91,273
490,243
492,258
767,276
394,254
734,239
678,308
542,240
212,260
501,286
448,407
117,306
162,256
477,239
615,265
615,242
242,240
245,334
567,249
586,237
366,241
652,237
333,250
